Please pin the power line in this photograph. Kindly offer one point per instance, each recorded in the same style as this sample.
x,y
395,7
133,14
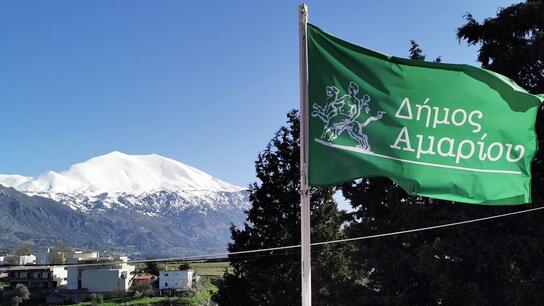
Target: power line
x,y
226,254
421,229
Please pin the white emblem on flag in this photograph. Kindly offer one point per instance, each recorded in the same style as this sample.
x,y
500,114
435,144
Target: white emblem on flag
x,y
341,114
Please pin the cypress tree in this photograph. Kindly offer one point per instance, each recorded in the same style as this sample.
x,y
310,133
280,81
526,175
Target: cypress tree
x,y
273,278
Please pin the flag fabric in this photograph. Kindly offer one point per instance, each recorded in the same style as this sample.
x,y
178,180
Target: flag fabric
x,y
446,131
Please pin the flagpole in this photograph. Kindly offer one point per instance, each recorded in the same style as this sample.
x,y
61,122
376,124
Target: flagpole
x,y
306,280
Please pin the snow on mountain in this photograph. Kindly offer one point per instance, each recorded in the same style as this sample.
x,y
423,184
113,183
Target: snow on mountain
x,y
11,180
120,173
138,182
118,201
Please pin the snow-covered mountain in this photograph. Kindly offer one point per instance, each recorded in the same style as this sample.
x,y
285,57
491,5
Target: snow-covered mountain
x,y
119,172
152,184
144,190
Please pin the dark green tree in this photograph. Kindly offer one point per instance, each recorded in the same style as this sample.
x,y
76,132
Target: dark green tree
x,y
415,51
144,288
20,295
16,301
273,278
417,54
184,266
21,250
512,43
152,267
96,299
489,263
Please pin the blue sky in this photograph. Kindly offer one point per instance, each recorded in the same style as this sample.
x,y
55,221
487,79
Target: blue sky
x,y
204,82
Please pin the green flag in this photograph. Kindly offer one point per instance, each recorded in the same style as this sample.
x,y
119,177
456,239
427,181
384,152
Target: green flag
x,y
452,132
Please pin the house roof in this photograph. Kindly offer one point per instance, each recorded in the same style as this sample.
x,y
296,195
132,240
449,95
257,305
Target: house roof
x,y
143,277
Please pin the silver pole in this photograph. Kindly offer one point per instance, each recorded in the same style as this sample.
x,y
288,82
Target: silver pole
x,y
306,284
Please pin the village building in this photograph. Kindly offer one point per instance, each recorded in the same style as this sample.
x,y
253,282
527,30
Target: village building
x,y
103,274
177,280
39,278
20,260
28,259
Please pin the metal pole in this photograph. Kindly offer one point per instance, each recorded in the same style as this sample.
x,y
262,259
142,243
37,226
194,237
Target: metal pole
x,y
306,284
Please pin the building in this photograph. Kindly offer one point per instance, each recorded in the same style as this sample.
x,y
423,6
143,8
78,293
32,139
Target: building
x,y
19,260
177,280
28,259
38,278
81,256
104,274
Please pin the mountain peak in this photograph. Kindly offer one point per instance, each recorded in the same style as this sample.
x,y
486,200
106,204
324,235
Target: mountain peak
x,y
118,172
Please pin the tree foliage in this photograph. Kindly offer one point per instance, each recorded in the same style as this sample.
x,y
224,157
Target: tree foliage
x,y
143,288
21,250
417,54
273,278
59,254
184,266
96,299
20,295
512,43
151,267
415,51
16,301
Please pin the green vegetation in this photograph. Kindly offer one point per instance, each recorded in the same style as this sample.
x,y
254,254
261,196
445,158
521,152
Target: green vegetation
x,y
139,301
23,249
59,253
202,294
211,268
152,267
273,278
96,299
20,295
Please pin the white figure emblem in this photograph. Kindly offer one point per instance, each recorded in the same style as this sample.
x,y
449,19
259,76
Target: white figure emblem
x,y
340,115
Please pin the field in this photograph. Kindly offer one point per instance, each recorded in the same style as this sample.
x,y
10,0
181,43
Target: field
x,y
211,268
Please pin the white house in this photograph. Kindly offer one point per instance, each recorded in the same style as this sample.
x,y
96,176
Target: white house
x,y
111,275
59,276
176,279
27,260
79,255
19,260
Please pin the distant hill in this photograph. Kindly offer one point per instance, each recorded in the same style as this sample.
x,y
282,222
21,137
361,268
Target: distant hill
x,y
124,203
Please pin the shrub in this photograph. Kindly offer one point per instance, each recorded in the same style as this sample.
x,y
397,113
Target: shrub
x,y
16,301
22,292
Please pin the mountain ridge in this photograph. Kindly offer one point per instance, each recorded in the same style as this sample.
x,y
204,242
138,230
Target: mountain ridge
x,y
149,200
118,172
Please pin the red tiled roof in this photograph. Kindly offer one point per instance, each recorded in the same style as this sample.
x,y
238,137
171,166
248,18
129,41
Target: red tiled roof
x,y
143,277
